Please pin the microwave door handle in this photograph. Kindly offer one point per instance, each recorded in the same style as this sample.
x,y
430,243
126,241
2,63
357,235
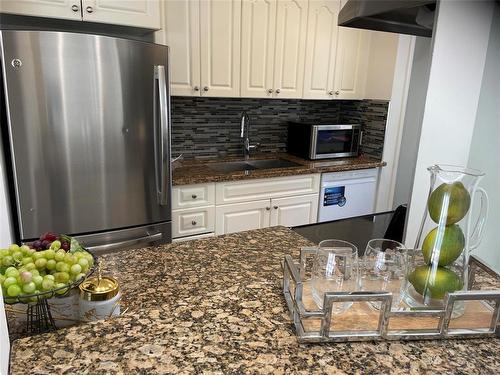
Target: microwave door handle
x,y
162,153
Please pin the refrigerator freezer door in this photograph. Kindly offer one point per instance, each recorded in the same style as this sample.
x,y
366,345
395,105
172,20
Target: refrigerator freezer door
x,y
84,125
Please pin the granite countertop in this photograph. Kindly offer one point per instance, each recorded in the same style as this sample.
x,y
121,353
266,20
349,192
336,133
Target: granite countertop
x,y
215,306
199,171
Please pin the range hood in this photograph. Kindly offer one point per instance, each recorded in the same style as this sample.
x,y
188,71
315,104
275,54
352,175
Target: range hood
x,y
414,17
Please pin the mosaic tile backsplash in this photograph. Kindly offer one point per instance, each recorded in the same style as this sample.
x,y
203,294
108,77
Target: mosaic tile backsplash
x,y
210,127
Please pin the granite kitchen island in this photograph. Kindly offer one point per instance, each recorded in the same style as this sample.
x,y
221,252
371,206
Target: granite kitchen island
x,y
215,306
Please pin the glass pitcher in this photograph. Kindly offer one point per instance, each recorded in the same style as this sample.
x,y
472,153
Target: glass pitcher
x,y
446,237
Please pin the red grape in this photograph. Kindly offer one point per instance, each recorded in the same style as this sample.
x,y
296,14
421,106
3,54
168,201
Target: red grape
x,y
49,236
65,246
37,245
46,244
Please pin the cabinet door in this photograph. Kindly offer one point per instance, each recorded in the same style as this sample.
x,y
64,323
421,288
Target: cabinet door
x,y
181,32
257,48
351,63
67,9
220,30
242,216
380,70
138,13
321,49
294,211
291,25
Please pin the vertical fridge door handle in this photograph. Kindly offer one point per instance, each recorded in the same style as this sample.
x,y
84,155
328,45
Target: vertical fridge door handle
x,y
162,152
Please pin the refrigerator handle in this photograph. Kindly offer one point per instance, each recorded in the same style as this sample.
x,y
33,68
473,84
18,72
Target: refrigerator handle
x,y
162,152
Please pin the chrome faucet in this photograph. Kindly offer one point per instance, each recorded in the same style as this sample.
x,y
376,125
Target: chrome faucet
x,y
245,129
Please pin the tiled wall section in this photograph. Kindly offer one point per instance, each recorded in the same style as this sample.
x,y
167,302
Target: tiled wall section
x,y
209,127
373,115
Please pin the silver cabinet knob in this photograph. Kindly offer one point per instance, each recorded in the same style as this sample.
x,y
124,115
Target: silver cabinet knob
x,y
75,8
275,207
278,91
268,208
196,88
205,88
89,9
330,93
193,222
194,196
337,92
270,91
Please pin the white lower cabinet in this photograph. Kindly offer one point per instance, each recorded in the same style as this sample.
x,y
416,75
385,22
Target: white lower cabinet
x,y
238,217
236,206
192,221
294,211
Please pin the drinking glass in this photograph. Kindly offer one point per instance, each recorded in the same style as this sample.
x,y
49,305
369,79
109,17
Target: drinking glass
x,y
335,269
383,268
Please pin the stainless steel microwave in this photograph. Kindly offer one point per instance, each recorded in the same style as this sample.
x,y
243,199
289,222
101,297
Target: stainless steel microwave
x,y
313,141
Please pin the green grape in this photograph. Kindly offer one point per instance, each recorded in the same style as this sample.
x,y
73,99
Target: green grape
x,y
59,255
62,267
37,255
30,266
26,260
47,284
29,288
11,271
4,252
26,277
79,276
49,254
17,256
35,272
51,264
9,281
24,248
83,262
13,248
63,290
62,277
41,263
8,261
49,277
56,245
76,269
13,290
69,258
37,280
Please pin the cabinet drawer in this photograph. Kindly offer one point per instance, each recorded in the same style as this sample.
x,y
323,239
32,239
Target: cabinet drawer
x,y
252,190
198,195
193,221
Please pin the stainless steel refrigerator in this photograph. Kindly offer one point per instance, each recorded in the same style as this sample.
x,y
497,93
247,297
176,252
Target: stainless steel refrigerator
x,y
86,131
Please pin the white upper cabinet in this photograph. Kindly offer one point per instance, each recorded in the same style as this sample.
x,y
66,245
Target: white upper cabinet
x,y
273,41
381,65
65,9
321,49
137,13
351,63
273,49
220,27
181,32
258,37
291,24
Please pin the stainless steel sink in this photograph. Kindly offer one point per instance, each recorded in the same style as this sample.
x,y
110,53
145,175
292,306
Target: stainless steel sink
x,y
235,166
